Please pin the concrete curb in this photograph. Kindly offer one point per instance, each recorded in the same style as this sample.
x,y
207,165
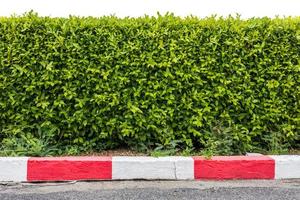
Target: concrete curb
x,y
24,169
234,167
287,166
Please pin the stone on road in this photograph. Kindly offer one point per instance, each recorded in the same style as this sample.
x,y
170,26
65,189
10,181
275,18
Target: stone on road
x,y
244,190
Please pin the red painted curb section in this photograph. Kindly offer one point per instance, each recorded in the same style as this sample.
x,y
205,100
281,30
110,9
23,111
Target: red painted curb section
x,y
69,168
234,167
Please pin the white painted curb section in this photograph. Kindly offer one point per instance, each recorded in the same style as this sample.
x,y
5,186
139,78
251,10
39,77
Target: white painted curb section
x,y
13,169
287,166
180,168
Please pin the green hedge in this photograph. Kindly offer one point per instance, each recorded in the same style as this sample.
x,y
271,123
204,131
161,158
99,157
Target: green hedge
x,y
79,84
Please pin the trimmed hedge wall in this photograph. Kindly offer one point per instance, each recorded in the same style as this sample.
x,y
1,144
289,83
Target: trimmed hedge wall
x,y
230,85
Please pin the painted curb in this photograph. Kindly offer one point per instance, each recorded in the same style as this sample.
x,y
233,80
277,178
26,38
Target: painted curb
x,y
69,168
287,166
23,169
234,167
13,169
174,168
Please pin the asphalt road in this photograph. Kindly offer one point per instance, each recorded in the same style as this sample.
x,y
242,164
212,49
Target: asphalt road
x,y
258,190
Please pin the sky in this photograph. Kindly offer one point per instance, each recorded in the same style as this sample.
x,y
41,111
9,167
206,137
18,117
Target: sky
x,y
135,8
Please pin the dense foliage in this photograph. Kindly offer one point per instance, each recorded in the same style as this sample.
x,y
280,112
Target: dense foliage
x,y
79,84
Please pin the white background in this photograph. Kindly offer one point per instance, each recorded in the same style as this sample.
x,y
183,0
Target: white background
x,y
134,8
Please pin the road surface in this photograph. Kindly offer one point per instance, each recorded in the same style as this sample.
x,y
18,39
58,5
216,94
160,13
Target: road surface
x,y
244,190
